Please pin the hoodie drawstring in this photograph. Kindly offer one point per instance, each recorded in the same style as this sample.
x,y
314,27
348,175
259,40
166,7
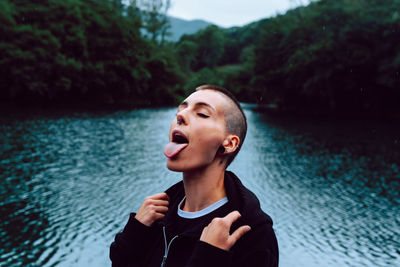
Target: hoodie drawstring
x,y
166,247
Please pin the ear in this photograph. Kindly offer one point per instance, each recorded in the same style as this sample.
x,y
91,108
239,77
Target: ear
x,y
230,144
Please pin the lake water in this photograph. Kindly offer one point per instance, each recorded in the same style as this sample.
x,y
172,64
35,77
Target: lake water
x,y
68,182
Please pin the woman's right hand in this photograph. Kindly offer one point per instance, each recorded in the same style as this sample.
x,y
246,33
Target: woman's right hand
x,y
153,209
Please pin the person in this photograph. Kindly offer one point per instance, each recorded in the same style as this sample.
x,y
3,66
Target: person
x,y
209,218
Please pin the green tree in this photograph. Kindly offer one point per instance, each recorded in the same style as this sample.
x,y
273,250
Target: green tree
x,y
155,20
186,51
77,52
330,55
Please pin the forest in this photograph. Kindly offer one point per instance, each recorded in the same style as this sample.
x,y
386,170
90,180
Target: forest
x,y
330,57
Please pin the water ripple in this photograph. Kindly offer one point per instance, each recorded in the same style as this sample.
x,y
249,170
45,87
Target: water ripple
x,y
68,182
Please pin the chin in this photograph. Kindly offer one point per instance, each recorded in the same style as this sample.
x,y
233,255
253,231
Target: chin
x,y
173,166
176,166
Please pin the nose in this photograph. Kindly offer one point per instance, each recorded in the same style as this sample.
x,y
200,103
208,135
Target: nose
x,y
180,118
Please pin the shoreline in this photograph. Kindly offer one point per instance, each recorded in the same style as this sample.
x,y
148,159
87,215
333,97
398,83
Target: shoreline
x,y
271,110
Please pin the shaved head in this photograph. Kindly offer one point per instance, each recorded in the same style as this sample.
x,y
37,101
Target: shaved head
x,y
234,117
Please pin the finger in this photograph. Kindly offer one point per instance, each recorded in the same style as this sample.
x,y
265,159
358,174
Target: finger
x,y
158,216
232,217
158,202
239,233
160,196
161,209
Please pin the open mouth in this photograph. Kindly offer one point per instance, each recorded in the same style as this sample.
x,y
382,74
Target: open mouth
x,y
179,138
179,142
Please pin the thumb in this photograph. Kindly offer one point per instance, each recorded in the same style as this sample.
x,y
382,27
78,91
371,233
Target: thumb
x,y
239,233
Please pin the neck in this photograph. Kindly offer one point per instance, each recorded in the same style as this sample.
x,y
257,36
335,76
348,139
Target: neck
x,y
203,187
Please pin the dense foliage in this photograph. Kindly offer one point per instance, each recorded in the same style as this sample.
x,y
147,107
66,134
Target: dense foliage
x,y
332,56
79,52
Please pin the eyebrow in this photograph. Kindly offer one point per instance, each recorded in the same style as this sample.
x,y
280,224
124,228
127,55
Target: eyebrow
x,y
185,103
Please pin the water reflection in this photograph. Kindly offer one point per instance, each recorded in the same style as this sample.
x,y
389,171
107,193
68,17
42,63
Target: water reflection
x,y
68,182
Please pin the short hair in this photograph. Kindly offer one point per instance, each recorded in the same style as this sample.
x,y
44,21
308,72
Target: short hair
x,y
236,122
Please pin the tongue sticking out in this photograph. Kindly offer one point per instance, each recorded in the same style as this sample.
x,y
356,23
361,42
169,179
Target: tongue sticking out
x,y
172,149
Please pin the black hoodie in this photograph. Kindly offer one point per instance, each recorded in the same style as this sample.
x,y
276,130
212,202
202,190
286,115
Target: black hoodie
x,y
170,242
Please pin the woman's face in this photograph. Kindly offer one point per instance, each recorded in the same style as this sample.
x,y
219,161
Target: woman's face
x,y
197,131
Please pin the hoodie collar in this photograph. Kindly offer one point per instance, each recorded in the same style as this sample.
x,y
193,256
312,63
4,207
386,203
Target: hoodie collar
x,y
239,198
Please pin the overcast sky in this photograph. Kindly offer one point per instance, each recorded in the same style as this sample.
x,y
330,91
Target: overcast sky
x,y
227,13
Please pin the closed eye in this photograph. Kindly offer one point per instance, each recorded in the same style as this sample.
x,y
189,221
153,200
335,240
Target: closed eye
x,y
203,115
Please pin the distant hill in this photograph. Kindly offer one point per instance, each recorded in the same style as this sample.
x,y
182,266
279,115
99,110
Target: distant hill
x,y
180,27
